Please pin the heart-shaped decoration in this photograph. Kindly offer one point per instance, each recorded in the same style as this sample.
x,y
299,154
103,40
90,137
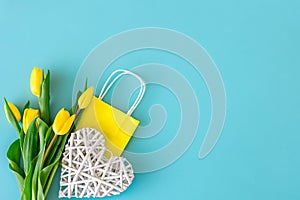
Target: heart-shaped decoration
x,y
90,170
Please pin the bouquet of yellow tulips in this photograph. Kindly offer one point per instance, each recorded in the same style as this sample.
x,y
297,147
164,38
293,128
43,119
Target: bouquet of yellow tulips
x,y
34,157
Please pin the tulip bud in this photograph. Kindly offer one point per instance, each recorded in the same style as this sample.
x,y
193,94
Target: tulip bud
x,y
28,116
14,110
36,79
63,122
86,97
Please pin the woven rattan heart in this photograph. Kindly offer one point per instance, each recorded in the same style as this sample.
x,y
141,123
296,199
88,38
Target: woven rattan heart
x,y
90,170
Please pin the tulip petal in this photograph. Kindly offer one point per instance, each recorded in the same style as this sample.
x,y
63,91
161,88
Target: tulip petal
x,y
10,117
85,99
25,125
15,111
36,81
61,117
28,116
67,125
32,114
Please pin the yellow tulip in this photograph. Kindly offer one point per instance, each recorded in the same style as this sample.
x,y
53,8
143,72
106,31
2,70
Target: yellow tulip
x,y
63,122
28,116
86,97
36,81
14,110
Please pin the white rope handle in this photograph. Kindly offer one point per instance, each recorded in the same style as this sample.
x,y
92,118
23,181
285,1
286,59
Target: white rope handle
x,y
123,72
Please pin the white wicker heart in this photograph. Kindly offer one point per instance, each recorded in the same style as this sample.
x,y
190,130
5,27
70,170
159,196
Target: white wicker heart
x,y
90,170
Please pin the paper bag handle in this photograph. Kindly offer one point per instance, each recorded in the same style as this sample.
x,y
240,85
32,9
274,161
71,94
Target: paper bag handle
x,y
106,87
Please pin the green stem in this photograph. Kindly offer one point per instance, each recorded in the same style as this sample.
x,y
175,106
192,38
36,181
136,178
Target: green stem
x,y
77,112
48,149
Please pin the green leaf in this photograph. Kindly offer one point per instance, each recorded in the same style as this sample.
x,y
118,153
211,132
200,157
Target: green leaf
x,y
45,177
85,84
26,195
61,148
47,170
25,107
75,106
53,151
11,117
50,178
49,136
42,129
20,178
37,190
14,155
37,169
44,99
79,93
21,136
40,192
30,146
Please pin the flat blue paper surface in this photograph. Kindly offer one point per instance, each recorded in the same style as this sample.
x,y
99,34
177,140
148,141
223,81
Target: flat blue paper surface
x,y
255,45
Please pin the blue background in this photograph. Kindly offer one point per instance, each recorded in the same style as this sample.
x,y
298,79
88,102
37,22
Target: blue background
x,y
255,45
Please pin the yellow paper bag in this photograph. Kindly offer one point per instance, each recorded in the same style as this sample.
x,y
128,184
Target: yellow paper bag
x,y
116,126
